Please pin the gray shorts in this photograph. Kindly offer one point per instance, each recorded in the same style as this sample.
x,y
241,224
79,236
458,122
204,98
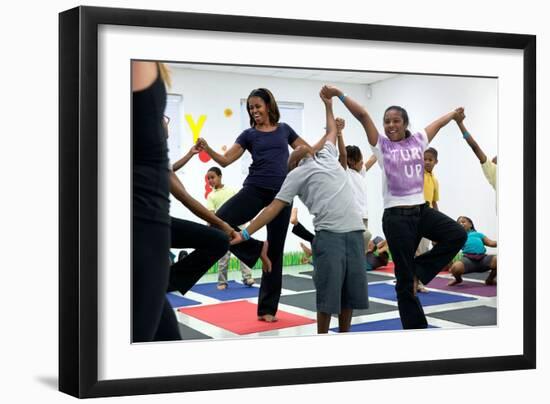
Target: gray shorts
x,y
474,265
340,278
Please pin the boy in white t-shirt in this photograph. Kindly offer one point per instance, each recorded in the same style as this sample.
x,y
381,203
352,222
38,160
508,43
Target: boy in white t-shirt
x,y
351,159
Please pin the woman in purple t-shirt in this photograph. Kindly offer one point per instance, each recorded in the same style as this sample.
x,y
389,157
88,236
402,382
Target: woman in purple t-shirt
x,y
267,140
407,218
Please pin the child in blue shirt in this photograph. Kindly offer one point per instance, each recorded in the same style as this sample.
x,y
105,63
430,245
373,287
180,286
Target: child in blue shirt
x,y
474,255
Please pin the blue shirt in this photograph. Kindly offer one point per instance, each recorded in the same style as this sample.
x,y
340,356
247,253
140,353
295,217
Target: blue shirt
x,y
474,243
269,152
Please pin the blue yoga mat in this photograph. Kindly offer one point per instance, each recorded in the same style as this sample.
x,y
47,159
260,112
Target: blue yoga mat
x,y
234,291
386,291
178,301
381,325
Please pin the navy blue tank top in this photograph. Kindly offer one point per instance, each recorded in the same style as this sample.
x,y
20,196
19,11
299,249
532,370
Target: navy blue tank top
x,y
150,172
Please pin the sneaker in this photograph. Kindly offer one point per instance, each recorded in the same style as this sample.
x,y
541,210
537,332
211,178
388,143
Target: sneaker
x,y
249,282
222,286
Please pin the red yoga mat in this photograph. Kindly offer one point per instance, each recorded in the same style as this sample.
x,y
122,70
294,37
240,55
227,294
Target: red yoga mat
x,y
241,317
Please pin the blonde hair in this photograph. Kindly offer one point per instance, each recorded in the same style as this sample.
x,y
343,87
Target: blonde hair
x,y
165,74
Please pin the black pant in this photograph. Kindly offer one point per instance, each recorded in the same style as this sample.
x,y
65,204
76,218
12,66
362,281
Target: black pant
x,y
152,316
302,232
210,245
240,209
404,227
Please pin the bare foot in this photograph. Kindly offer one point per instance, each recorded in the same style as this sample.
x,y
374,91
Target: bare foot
x,y
294,216
455,281
266,262
421,288
490,281
268,318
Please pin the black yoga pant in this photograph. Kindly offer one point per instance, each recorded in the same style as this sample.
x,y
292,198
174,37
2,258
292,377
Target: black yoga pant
x,y
404,227
243,207
152,316
209,244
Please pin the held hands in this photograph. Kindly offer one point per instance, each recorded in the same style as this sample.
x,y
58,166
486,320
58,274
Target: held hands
x,y
231,233
326,100
194,150
459,115
202,145
340,125
236,239
330,91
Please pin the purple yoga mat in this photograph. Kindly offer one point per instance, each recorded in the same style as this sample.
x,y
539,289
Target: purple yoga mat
x,y
472,288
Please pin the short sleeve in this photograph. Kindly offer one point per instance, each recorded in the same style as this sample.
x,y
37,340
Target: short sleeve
x,y
490,171
210,202
423,136
243,140
291,186
292,135
330,148
377,150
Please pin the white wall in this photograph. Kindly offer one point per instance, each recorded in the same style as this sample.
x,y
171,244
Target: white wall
x,y
210,93
29,260
464,190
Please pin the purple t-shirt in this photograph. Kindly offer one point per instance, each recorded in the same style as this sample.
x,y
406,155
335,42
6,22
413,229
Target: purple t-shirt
x,y
402,164
269,152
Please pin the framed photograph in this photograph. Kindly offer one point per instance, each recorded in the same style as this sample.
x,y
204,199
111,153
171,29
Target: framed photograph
x,y
214,61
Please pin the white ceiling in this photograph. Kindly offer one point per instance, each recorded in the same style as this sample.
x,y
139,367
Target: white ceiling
x,y
327,76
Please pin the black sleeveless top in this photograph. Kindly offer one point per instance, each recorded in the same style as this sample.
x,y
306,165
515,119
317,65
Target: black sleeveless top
x,y
151,185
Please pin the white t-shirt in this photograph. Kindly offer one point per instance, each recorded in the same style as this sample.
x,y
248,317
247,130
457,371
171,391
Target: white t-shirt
x,y
358,183
402,165
322,185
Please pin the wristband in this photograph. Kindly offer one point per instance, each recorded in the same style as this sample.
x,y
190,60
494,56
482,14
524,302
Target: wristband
x,y
245,234
465,134
342,97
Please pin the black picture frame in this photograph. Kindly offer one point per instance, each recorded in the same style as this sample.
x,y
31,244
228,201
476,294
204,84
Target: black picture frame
x,y
78,200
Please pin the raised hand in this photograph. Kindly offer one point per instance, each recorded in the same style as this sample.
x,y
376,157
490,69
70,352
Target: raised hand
x,y
330,91
340,125
326,100
194,149
459,115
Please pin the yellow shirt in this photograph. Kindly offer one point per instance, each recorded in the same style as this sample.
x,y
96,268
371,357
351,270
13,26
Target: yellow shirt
x,y
431,188
490,170
217,197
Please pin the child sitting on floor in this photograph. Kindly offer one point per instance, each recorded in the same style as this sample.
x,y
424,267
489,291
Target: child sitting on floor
x,y
474,257
374,261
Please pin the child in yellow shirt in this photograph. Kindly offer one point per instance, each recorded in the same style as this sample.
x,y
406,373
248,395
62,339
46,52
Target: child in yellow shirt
x,y
431,195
